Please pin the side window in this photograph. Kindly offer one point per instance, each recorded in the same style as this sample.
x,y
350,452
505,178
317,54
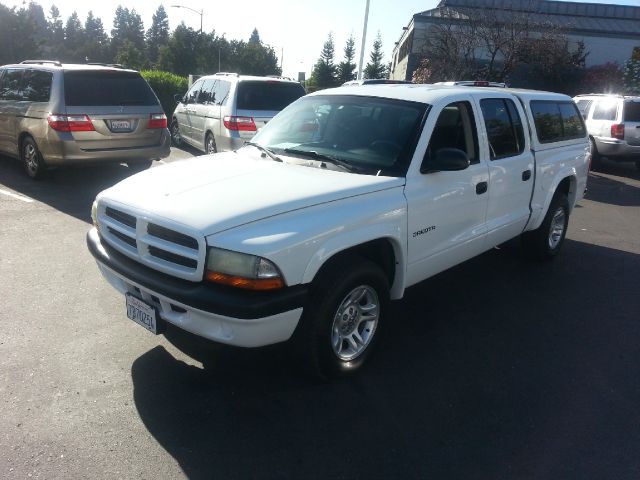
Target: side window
x,y
36,86
504,127
10,85
207,92
455,128
548,121
572,123
605,110
222,92
583,106
194,91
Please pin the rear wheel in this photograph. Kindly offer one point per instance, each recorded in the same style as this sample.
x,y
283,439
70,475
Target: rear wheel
x,y
341,322
210,144
139,165
176,138
545,242
32,159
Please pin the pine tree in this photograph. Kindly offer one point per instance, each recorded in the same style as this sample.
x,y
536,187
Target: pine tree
x,y
55,30
97,42
346,68
74,40
255,37
375,68
127,25
157,35
324,71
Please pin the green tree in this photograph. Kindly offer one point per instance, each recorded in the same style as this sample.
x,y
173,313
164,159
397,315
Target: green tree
x,y
74,40
255,37
157,35
130,56
324,71
346,69
376,68
178,55
54,48
127,25
97,42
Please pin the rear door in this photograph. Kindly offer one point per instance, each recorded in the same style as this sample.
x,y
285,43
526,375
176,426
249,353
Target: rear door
x,y
262,100
10,86
631,120
511,167
118,103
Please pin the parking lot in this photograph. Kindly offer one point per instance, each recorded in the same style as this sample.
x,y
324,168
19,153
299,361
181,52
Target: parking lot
x,y
532,372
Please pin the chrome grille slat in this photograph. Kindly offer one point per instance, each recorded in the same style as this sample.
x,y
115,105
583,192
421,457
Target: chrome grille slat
x,y
170,247
172,236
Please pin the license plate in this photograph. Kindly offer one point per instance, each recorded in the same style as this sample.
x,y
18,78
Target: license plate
x,y
120,125
142,313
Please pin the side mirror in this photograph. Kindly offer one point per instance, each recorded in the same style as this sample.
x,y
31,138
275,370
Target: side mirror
x,y
179,98
446,160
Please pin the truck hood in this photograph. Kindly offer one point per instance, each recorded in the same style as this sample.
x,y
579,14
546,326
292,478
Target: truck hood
x,y
218,192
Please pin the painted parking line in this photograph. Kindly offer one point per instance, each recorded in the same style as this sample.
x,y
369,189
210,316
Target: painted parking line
x,y
16,196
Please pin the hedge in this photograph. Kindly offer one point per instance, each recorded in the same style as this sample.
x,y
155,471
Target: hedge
x,y
166,85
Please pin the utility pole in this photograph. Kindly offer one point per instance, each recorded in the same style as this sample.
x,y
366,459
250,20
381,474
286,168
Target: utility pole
x,y
201,13
364,40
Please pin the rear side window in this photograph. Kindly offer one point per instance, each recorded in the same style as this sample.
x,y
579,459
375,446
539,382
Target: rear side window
x,y
194,92
106,88
207,93
632,112
222,92
557,121
10,84
504,127
605,110
267,95
583,106
36,86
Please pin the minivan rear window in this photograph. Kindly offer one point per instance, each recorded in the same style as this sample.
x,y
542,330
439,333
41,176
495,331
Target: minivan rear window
x,y
632,112
106,88
267,95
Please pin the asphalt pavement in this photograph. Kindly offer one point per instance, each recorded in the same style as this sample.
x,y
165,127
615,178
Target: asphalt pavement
x,y
499,368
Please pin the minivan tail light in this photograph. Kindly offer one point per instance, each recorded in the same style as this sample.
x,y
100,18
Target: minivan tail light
x,y
70,123
157,120
242,124
617,131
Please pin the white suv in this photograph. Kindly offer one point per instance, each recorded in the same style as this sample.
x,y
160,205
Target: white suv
x,y
613,123
220,112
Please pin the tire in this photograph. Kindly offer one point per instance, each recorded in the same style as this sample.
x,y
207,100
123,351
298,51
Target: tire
x,y
341,321
210,144
176,138
32,161
139,165
545,242
596,158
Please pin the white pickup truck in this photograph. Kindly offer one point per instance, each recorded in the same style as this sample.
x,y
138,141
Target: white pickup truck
x,y
340,203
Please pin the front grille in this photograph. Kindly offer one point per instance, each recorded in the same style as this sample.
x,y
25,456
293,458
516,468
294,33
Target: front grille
x,y
172,236
125,238
124,218
172,257
174,252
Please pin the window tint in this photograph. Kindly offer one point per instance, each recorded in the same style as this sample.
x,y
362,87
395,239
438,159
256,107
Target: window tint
x,y
273,96
10,84
194,92
455,128
546,116
572,123
222,92
583,106
632,112
605,110
504,127
36,86
207,93
106,88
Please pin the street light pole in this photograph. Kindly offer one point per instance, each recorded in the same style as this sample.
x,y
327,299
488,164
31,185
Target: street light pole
x,y
364,40
201,13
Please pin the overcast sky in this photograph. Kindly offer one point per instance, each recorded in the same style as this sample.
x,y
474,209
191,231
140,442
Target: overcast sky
x,y
295,28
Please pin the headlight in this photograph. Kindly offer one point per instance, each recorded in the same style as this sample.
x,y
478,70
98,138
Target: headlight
x,y
242,270
94,214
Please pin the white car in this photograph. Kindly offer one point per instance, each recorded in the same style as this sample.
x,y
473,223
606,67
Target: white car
x,y
345,199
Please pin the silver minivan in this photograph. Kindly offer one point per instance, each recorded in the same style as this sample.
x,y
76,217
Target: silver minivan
x,y
613,123
54,114
222,111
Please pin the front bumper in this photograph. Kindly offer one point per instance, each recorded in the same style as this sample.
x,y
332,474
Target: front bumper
x,y
223,314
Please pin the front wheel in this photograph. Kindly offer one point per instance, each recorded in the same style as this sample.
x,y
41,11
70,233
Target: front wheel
x,y
343,317
545,242
176,137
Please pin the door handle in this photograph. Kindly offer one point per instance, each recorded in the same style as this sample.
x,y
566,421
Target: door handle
x,y
526,175
482,187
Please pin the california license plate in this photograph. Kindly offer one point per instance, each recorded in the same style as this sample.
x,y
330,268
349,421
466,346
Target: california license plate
x,y
120,125
142,313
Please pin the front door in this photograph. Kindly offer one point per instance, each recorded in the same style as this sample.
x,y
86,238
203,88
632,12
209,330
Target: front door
x,y
446,218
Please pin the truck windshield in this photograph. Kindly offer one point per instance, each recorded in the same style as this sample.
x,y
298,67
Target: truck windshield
x,y
373,135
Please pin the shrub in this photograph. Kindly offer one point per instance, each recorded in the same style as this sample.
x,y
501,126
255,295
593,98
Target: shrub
x,y
166,85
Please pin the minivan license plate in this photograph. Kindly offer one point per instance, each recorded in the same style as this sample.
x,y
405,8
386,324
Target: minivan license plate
x,y
120,125
142,313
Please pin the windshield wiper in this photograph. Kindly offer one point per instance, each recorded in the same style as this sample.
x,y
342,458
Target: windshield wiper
x,y
323,158
265,151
